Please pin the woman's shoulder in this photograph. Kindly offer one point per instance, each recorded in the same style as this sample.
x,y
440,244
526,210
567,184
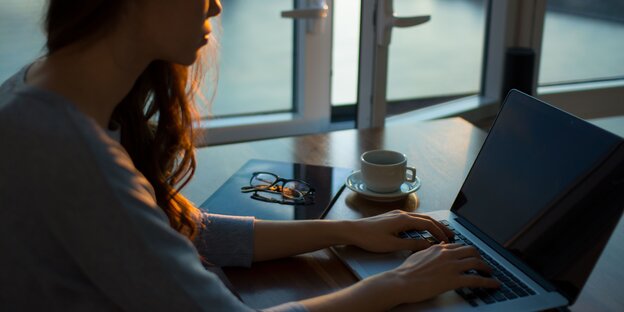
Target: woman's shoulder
x,y
31,113
51,140
43,128
53,146
14,81
40,120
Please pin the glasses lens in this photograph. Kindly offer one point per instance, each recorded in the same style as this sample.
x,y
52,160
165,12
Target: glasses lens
x,y
263,180
295,189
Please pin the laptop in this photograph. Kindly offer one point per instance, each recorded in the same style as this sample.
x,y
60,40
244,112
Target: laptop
x,y
540,203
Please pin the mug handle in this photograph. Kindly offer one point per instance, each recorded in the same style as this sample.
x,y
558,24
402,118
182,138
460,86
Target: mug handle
x,y
413,170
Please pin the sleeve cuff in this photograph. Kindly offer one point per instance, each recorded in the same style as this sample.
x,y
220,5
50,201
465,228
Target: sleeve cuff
x,y
226,240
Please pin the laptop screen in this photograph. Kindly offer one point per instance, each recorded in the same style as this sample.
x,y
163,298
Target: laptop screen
x,y
548,187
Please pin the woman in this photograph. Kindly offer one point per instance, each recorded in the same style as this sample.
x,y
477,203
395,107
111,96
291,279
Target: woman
x,y
90,210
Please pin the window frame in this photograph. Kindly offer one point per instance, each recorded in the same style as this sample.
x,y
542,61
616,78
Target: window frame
x,y
474,106
311,70
578,97
520,23
509,23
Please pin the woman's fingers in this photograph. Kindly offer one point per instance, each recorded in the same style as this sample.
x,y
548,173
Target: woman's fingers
x,y
441,268
446,230
464,251
451,245
422,222
476,281
468,264
433,228
420,219
469,259
413,244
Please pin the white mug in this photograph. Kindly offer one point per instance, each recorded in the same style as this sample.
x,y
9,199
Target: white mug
x,y
384,171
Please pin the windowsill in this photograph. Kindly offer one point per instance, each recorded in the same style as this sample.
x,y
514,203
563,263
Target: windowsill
x,y
472,107
580,86
587,100
259,127
247,120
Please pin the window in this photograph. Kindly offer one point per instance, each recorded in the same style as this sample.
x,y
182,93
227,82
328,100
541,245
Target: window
x,y
426,64
583,41
21,36
256,59
581,66
441,57
286,76
275,71
345,51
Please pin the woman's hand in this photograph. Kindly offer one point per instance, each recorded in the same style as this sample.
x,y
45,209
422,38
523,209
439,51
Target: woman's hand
x,y
438,269
381,233
423,275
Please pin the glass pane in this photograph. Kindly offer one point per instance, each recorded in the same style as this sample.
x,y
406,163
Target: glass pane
x,y
441,57
583,40
345,51
256,58
21,35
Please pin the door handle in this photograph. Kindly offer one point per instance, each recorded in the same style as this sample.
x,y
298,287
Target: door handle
x,y
386,20
306,13
317,10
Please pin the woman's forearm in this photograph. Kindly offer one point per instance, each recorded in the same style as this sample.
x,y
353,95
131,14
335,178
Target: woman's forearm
x,y
277,239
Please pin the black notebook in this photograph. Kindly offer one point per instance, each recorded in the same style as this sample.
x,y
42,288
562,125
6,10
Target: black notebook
x,y
328,182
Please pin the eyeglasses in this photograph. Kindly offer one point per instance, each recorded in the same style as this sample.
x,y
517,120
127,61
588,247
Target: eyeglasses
x,y
291,191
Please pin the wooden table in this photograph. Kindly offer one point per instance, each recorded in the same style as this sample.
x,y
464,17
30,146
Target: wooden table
x,y
442,151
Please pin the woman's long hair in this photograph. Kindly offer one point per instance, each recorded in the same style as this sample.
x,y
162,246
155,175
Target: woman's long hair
x,y
162,151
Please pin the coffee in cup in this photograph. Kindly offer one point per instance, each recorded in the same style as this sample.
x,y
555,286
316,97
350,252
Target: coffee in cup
x,y
384,171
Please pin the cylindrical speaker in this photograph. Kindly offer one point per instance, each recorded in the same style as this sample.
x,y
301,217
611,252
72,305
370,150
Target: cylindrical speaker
x,y
519,70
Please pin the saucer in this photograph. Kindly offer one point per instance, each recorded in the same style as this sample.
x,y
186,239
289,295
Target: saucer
x,y
356,184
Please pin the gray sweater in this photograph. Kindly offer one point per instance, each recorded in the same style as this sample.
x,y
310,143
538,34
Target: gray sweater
x,y
79,226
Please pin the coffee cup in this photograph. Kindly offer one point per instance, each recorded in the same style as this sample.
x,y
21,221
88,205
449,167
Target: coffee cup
x,y
384,171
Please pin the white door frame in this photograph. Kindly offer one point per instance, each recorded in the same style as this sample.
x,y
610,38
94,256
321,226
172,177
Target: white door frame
x,y
311,107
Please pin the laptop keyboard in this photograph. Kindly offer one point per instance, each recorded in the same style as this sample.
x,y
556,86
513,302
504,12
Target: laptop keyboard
x,y
511,287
